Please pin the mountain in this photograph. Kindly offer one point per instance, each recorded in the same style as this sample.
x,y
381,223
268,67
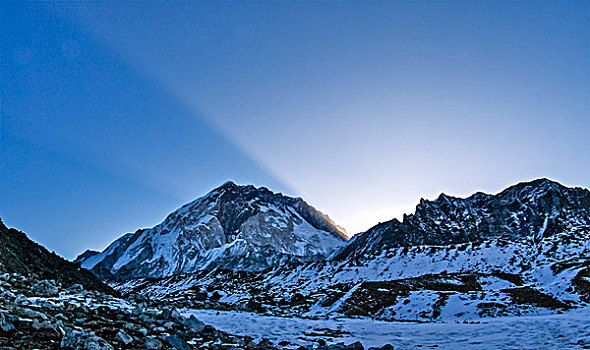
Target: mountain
x,y
528,210
232,227
525,250
18,254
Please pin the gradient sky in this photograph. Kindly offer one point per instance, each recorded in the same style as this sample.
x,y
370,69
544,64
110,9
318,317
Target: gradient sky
x,y
113,115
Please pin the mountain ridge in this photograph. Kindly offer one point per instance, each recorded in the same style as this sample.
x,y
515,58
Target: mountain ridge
x,y
18,253
522,210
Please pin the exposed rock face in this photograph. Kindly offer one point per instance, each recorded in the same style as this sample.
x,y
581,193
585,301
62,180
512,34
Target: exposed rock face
x,y
21,255
233,227
529,210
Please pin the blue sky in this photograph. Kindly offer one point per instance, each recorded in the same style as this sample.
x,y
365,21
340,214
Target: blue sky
x,y
115,114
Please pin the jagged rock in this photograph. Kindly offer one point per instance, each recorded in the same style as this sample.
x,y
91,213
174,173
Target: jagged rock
x,y
138,310
177,343
60,328
175,314
79,340
45,288
265,344
146,318
7,295
124,337
151,312
528,210
153,343
208,332
355,346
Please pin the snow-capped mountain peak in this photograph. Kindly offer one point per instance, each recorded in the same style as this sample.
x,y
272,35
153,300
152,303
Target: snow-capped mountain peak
x,y
232,227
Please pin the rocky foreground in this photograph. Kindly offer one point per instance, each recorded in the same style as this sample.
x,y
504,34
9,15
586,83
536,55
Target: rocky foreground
x,y
47,315
47,302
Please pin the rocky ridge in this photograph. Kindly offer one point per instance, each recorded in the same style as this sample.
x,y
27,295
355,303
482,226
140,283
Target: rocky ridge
x,y
529,210
18,254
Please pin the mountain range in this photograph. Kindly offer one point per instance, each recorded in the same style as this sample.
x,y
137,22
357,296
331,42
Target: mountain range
x,y
523,250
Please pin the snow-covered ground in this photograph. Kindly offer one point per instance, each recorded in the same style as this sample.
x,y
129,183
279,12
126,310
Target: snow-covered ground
x,y
569,330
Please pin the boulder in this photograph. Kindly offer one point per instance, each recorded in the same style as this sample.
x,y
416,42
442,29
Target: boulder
x,y
76,288
341,346
123,337
45,325
384,347
80,340
5,325
153,343
176,343
45,288
33,314
193,324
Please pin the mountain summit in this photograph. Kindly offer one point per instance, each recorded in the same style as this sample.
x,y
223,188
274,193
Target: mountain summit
x,y
232,227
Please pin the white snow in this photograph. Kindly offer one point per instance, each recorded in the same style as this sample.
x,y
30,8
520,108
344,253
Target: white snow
x,y
564,331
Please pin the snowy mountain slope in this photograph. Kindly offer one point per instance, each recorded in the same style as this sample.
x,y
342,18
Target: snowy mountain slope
x,y
421,283
539,262
232,227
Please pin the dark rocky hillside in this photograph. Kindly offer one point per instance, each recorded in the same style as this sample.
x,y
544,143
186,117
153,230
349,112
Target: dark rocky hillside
x,y
18,254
